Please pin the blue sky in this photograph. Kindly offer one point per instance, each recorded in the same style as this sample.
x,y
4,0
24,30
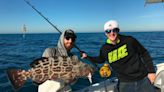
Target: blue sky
x,y
80,15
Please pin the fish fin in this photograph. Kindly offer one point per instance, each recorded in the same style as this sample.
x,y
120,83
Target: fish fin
x,y
15,78
36,62
90,78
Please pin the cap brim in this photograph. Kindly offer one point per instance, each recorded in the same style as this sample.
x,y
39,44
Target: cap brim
x,y
70,35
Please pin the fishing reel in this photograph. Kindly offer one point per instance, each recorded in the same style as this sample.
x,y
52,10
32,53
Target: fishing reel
x,y
105,71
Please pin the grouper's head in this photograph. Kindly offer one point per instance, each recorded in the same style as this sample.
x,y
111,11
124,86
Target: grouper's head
x,y
87,71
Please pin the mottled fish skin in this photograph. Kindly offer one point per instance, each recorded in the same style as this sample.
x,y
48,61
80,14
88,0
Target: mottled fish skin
x,y
64,68
53,68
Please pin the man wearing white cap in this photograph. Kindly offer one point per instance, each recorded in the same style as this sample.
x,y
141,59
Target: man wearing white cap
x,y
128,58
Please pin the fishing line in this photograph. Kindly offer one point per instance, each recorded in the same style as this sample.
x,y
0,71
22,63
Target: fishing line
x,y
28,3
59,32
48,21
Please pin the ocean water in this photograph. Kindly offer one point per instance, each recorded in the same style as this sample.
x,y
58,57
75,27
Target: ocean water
x,y
19,52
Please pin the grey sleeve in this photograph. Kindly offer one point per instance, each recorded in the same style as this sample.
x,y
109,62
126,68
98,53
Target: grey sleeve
x,y
49,52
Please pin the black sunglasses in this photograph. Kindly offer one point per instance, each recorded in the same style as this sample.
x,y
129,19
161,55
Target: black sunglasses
x,y
115,30
73,38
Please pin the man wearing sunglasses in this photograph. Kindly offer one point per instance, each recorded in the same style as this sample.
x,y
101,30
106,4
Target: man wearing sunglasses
x,y
63,48
65,44
128,58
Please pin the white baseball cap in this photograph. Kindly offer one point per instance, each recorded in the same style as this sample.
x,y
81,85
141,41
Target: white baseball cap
x,y
111,24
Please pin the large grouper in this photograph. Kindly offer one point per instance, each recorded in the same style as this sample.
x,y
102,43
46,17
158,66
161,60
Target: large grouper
x,y
63,68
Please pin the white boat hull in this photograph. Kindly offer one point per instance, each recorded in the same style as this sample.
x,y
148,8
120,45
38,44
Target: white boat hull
x,y
110,85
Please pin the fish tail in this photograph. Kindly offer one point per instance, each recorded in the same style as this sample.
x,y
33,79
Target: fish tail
x,y
16,78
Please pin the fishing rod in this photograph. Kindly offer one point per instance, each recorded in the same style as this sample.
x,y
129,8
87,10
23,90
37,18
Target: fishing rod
x,y
48,21
42,16
56,29
28,3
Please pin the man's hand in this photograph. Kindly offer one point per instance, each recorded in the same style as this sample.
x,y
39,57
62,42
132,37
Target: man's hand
x,y
151,77
83,55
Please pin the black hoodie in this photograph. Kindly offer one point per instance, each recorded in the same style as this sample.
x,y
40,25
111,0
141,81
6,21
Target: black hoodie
x,y
128,58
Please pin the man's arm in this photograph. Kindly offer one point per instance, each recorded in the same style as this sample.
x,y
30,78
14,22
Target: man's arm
x,y
92,59
147,60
